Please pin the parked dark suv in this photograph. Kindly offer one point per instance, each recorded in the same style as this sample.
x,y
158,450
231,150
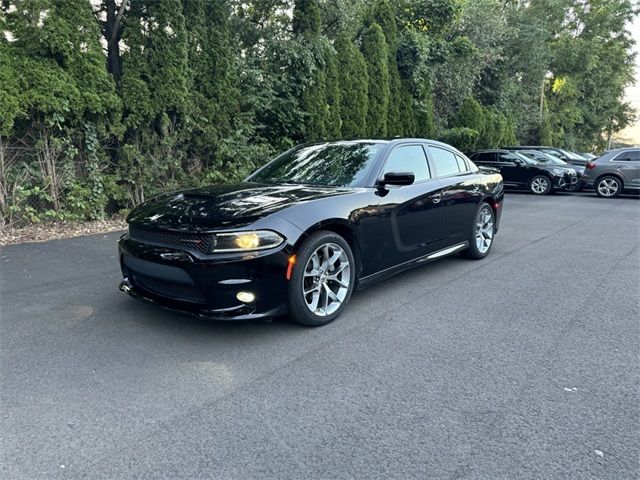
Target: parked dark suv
x,y
567,156
521,172
614,172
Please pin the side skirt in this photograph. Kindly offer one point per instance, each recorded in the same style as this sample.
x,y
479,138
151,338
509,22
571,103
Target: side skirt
x,y
388,272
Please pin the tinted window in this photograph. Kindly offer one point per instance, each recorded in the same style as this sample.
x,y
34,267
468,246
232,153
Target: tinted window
x,y
444,161
409,158
630,156
483,157
333,164
506,157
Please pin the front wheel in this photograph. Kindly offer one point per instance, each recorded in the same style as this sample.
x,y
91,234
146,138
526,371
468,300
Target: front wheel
x,y
608,187
322,280
482,233
540,185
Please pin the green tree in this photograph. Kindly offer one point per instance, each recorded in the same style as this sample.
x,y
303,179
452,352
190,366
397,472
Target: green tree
x,y
399,110
374,49
155,94
214,85
470,115
333,94
353,80
306,17
59,102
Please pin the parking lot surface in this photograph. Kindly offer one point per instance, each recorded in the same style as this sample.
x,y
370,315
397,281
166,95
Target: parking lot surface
x,y
523,365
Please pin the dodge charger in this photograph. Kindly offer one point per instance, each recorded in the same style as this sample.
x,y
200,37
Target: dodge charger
x,y
299,235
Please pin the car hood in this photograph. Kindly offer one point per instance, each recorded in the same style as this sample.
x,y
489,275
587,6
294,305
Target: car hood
x,y
563,168
224,206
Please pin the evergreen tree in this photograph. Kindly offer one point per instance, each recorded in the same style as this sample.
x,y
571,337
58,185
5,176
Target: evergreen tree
x,y
470,115
306,26
333,95
353,79
374,49
59,99
385,15
215,96
314,102
306,17
155,95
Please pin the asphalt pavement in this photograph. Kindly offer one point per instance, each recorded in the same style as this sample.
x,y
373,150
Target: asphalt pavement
x,y
522,366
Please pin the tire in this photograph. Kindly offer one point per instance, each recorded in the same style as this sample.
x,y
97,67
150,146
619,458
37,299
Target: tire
x,y
313,273
540,185
484,226
608,186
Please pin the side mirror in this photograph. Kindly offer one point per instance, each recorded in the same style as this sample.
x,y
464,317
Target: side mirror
x,y
397,178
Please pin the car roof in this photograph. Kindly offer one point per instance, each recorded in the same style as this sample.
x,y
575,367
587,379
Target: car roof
x,y
530,147
489,150
621,149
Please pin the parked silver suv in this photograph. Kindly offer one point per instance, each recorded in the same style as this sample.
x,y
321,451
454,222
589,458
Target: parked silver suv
x,y
614,172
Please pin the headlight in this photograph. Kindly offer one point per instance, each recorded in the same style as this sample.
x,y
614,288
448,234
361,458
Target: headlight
x,y
245,241
557,171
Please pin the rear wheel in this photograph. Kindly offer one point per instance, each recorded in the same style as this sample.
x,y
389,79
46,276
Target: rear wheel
x,y
482,233
540,185
322,280
608,186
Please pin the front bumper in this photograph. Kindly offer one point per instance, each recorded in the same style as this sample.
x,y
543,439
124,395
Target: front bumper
x,y
566,181
176,280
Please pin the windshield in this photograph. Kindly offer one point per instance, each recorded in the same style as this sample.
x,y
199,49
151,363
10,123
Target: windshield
x,y
341,164
571,155
555,160
525,159
547,158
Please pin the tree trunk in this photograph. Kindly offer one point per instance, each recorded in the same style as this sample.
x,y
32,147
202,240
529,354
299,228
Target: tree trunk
x,y
112,32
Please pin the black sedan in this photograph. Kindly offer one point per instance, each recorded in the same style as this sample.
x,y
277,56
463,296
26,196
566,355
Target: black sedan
x,y
522,172
307,228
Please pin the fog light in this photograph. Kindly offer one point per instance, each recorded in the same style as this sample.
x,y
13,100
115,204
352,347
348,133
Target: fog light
x,y
245,297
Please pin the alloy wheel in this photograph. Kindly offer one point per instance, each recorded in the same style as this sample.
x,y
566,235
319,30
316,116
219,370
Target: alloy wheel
x,y
326,279
608,187
539,185
484,230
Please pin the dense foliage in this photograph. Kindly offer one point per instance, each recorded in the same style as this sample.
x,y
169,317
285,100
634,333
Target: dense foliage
x,y
105,103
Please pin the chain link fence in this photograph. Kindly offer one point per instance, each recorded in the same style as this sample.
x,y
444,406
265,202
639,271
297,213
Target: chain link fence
x,y
53,181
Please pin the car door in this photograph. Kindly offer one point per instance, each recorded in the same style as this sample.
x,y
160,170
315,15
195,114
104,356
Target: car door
x,y
514,173
627,164
410,221
461,193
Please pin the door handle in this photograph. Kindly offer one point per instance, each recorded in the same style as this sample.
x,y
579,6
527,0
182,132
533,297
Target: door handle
x,y
436,198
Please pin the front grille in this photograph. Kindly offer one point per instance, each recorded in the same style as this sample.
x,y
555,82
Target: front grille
x,y
196,242
175,291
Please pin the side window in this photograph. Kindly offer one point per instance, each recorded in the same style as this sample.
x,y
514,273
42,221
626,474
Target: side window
x,y
444,161
462,165
506,158
408,158
483,157
630,156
